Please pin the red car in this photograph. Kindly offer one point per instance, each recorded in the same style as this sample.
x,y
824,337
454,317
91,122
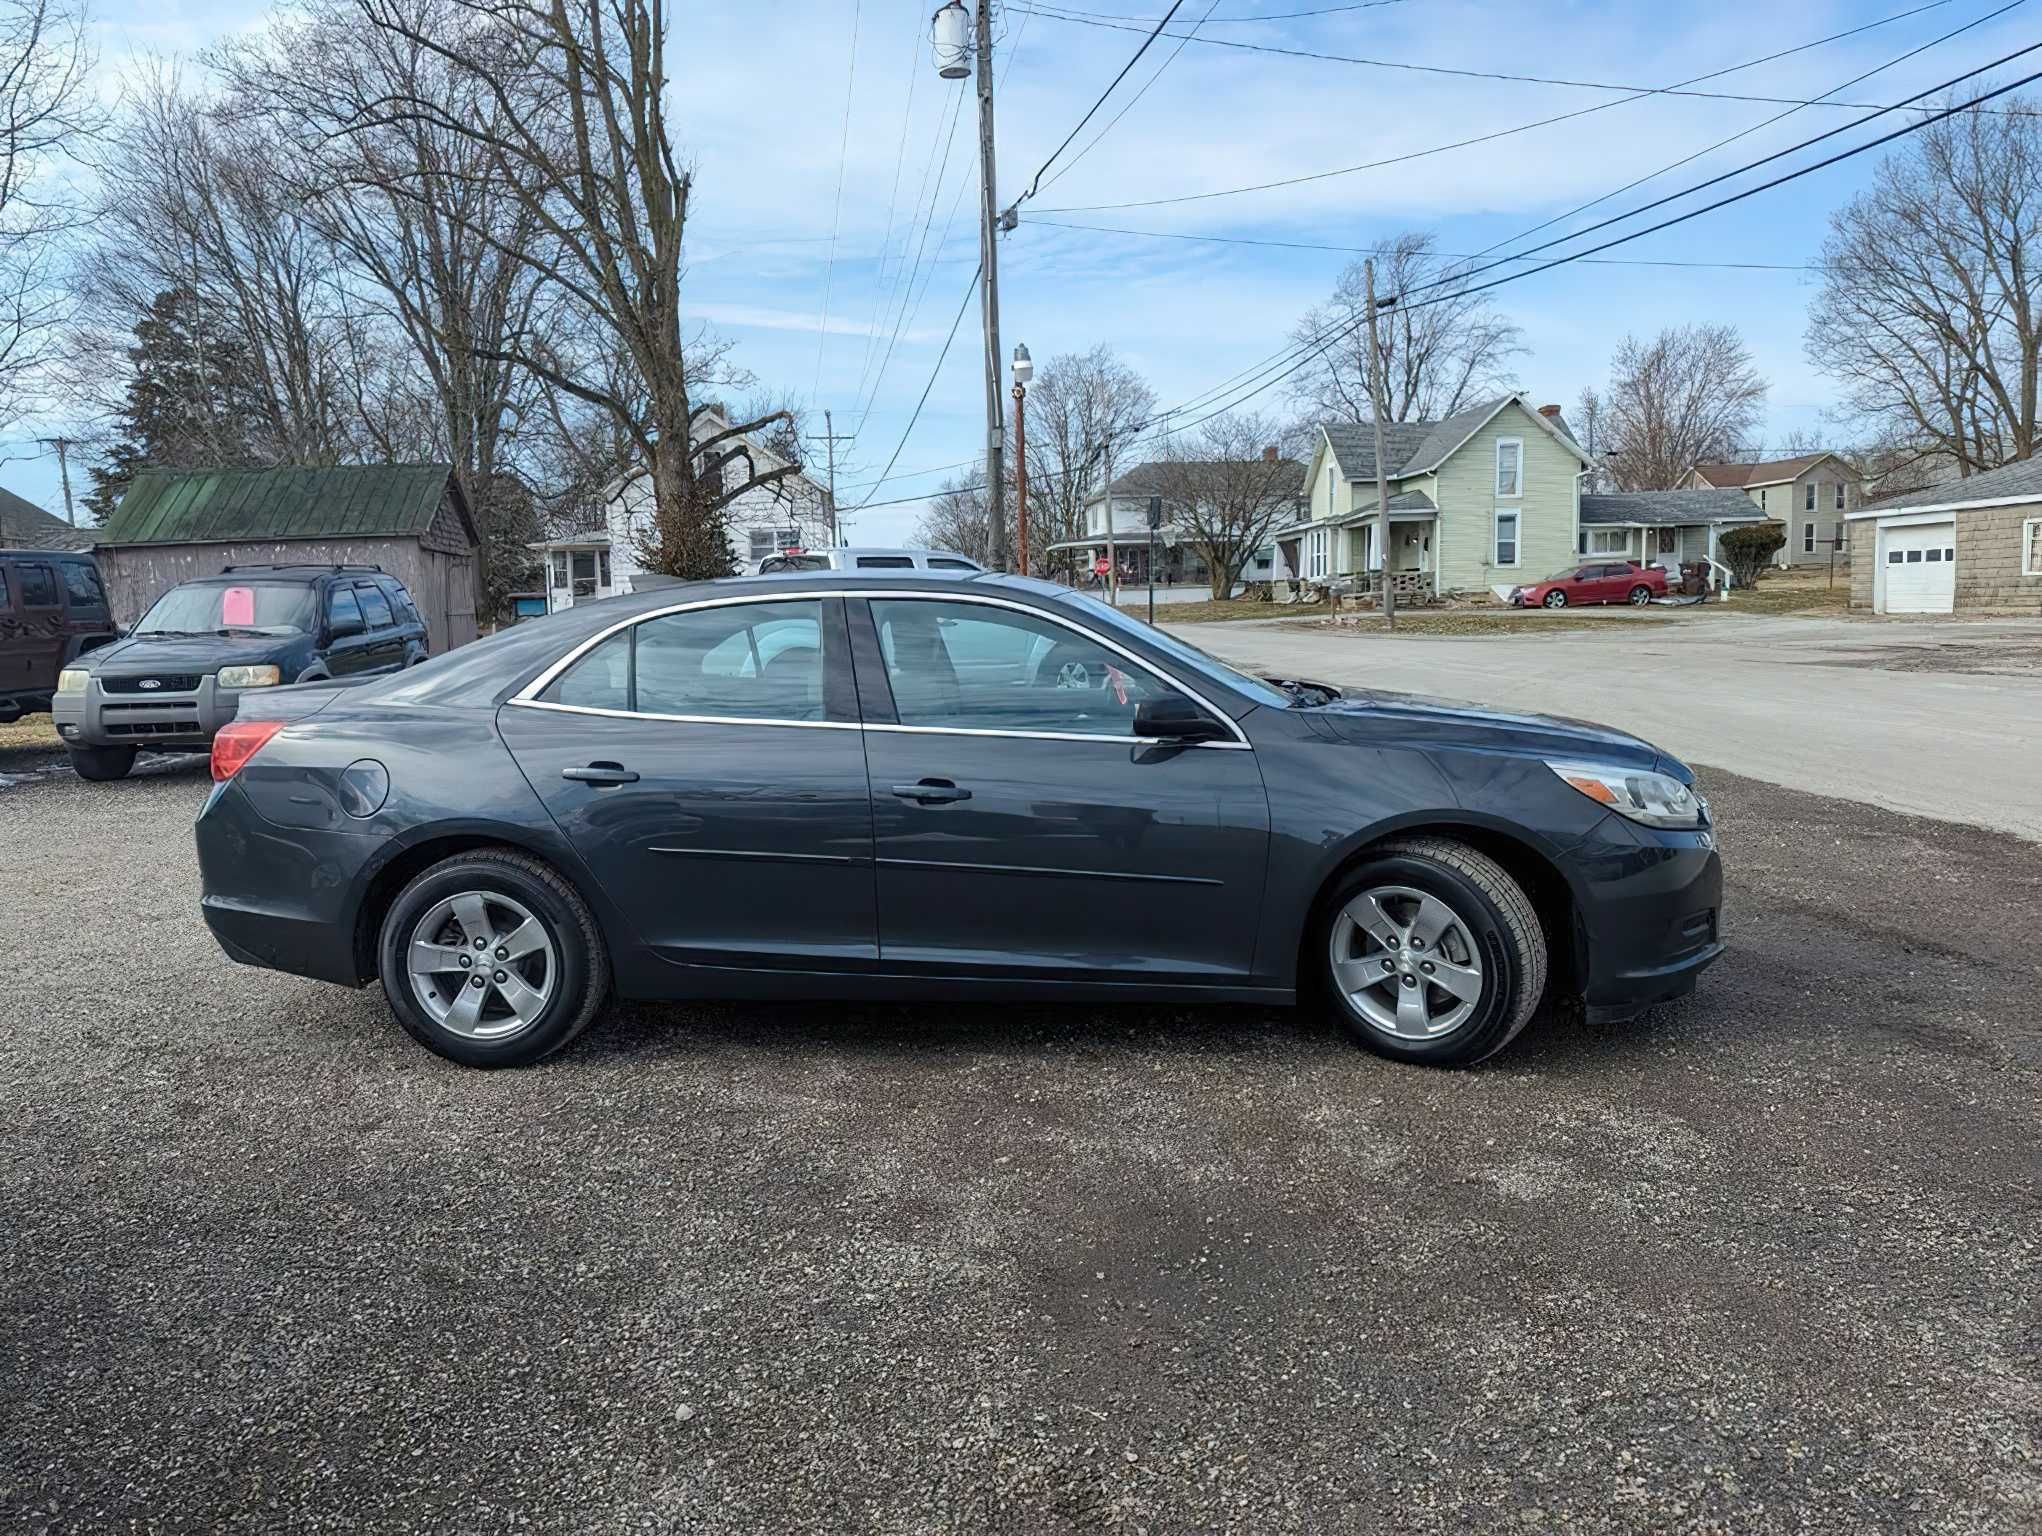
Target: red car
x,y
1604,581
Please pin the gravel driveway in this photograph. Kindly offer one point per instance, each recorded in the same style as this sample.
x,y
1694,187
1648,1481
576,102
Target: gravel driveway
x,y
1765,1260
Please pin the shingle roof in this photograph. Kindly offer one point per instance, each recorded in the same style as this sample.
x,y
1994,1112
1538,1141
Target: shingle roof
x,y
2023,477
1145,479
1769,472
1662,509
1411,501
202,506
1354,445
24,525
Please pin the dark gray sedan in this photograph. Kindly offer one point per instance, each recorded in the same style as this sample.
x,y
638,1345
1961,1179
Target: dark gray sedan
x,y
918,787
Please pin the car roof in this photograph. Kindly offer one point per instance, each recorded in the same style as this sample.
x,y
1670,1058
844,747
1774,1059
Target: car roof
x,y
45,554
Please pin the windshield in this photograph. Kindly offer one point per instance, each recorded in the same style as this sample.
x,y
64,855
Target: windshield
x,y
252,607
1185,655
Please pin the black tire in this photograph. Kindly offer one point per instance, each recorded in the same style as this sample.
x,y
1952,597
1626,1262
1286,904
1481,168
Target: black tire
x,y
579,990
1640,595
101,764
1556,600
1497,917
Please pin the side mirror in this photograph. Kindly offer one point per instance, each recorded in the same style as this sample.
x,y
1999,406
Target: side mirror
x,y
1175,718
341,629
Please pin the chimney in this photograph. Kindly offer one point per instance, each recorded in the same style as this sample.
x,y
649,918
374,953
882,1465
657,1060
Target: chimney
x,y
1269,454
1549,411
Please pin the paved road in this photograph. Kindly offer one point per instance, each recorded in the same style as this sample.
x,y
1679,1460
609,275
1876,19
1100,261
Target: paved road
x,y
1940,720
1765,1261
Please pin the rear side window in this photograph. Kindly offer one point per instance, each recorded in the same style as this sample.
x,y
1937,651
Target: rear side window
x,y
81,583
939,563
756,661
886,563
400,601
341,607
794,563
600,680
38,586
375,607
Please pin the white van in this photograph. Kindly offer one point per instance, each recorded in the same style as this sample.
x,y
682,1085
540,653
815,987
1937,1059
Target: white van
x,y
866,560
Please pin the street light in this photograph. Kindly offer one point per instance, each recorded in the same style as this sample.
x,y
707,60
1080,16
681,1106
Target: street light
x,y
1024,370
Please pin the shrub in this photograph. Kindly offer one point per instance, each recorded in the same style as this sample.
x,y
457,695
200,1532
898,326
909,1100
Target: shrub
x,y
1749,551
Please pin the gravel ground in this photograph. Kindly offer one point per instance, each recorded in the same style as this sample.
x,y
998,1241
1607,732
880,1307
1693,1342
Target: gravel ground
x,y
1763,1261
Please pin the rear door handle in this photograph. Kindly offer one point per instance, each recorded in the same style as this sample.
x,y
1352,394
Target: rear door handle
x,y
601,774
932,792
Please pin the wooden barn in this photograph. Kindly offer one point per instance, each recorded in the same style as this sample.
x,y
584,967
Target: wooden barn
x,y
410,519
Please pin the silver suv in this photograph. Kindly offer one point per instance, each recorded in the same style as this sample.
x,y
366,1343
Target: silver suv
x,y
866,560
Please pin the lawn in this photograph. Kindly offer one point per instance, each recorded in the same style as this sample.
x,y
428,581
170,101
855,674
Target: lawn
x,y
1804,591
34,731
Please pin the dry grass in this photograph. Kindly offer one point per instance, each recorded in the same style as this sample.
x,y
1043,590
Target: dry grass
x,y
1211,612
1789,592
1488,621
31,731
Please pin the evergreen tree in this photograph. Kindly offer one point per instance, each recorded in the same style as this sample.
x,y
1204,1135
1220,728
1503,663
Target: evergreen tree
x,y
182,409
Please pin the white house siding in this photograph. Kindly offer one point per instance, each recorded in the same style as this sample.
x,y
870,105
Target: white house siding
x,y
1465,491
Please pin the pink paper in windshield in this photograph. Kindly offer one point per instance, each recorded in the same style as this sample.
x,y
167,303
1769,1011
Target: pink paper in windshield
x,y
237,608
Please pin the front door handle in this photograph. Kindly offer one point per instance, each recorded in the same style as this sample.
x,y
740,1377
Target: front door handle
x,y
601,774
932,792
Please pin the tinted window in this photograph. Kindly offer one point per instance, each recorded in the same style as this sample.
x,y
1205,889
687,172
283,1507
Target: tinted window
x,y
6,596
886,563
38,586
341,608
600,680
795,563
940,563
375,607
400,601
81,582
973,667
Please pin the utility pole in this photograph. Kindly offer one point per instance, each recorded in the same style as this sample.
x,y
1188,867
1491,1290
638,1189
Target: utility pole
x,y
1112,554
989,219
63,447
1375,409
832,437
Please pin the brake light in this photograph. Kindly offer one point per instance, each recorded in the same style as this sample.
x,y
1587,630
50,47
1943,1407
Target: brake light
x,y
237,742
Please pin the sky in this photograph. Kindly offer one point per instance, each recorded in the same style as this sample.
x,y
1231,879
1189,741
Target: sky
x,y
826,163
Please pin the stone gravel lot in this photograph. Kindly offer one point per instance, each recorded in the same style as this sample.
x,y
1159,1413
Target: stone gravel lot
x,y
1766,1260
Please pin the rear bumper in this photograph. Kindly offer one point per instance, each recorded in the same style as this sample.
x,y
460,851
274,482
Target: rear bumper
x,y
284,898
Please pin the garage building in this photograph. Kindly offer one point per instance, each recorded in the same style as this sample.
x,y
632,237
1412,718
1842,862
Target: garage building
x,y
1971,545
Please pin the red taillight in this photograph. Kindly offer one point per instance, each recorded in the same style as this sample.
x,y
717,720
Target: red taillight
x,y
238,742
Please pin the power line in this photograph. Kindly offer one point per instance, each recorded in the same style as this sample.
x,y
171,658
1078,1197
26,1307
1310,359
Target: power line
x,y
822,331
1329,10
911,474
892,202
1484,74
1363,250
1093,142
1036,180
908,431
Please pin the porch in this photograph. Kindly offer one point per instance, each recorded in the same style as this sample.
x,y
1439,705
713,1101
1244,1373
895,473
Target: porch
x,y
577,570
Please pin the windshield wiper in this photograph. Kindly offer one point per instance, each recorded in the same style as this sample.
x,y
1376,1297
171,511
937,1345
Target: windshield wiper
x,y
238,629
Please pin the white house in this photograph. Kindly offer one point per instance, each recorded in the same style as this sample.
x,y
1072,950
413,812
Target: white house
x,y
600,562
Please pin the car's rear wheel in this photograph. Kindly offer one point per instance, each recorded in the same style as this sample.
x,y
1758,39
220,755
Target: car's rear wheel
x,y
491,959
1432,953
1556,599
102,763
1640,595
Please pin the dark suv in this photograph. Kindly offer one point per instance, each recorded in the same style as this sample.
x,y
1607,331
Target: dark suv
x,y
180,673
52,610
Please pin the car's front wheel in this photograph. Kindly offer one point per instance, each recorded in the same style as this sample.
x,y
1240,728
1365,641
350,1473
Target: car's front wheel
x,y
102,763
491,959
1432,953
1556,599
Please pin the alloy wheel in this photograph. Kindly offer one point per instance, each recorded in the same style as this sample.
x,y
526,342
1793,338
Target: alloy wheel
x,y
1640,596
1074,674
1407,962
481,965
1556,599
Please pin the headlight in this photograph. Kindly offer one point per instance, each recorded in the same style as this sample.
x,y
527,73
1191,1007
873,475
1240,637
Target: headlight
x,y
73,680
250,677
1657,799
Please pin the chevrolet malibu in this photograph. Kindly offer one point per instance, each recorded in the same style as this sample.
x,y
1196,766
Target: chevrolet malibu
x,y
834,787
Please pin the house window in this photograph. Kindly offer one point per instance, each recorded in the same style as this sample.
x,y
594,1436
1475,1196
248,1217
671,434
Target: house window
x,y
1315,553
1765,500
1839,496
603,565
2031,547
771,541
1839,530
1509,467
559,567
1807,538
1609,541
1506,538
1329,490
1808,502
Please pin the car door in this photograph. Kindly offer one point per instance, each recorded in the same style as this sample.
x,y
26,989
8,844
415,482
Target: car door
x,y
1019,827
348,643
385,642
706,764
38,623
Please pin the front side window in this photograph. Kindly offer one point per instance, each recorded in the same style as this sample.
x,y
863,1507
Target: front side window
x,y
1506,538
1509,467
968,666
748,661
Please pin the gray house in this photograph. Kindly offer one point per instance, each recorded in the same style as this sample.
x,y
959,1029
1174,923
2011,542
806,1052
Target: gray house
x,y
410,519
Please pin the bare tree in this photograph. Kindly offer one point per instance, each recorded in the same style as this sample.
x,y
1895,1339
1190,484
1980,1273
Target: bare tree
x,y
958,517
1079,401
1437,356
1227,488
1928,316
577,134
1591,426
1689,394
46,111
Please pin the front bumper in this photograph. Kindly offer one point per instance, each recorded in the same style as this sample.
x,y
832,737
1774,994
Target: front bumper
x,y
1651,915
171,719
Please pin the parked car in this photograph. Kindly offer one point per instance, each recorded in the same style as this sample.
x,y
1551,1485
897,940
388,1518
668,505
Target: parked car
x,y
52,611
204,645
1595,581
788,560
852,787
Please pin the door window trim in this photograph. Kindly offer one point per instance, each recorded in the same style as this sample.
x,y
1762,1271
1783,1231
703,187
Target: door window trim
x,y
528,696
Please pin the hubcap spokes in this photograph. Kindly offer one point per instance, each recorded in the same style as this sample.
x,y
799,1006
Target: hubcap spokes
x,y
1407,962
481,965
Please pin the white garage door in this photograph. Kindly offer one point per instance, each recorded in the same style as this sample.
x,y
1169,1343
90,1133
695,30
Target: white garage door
x,y
1920,566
